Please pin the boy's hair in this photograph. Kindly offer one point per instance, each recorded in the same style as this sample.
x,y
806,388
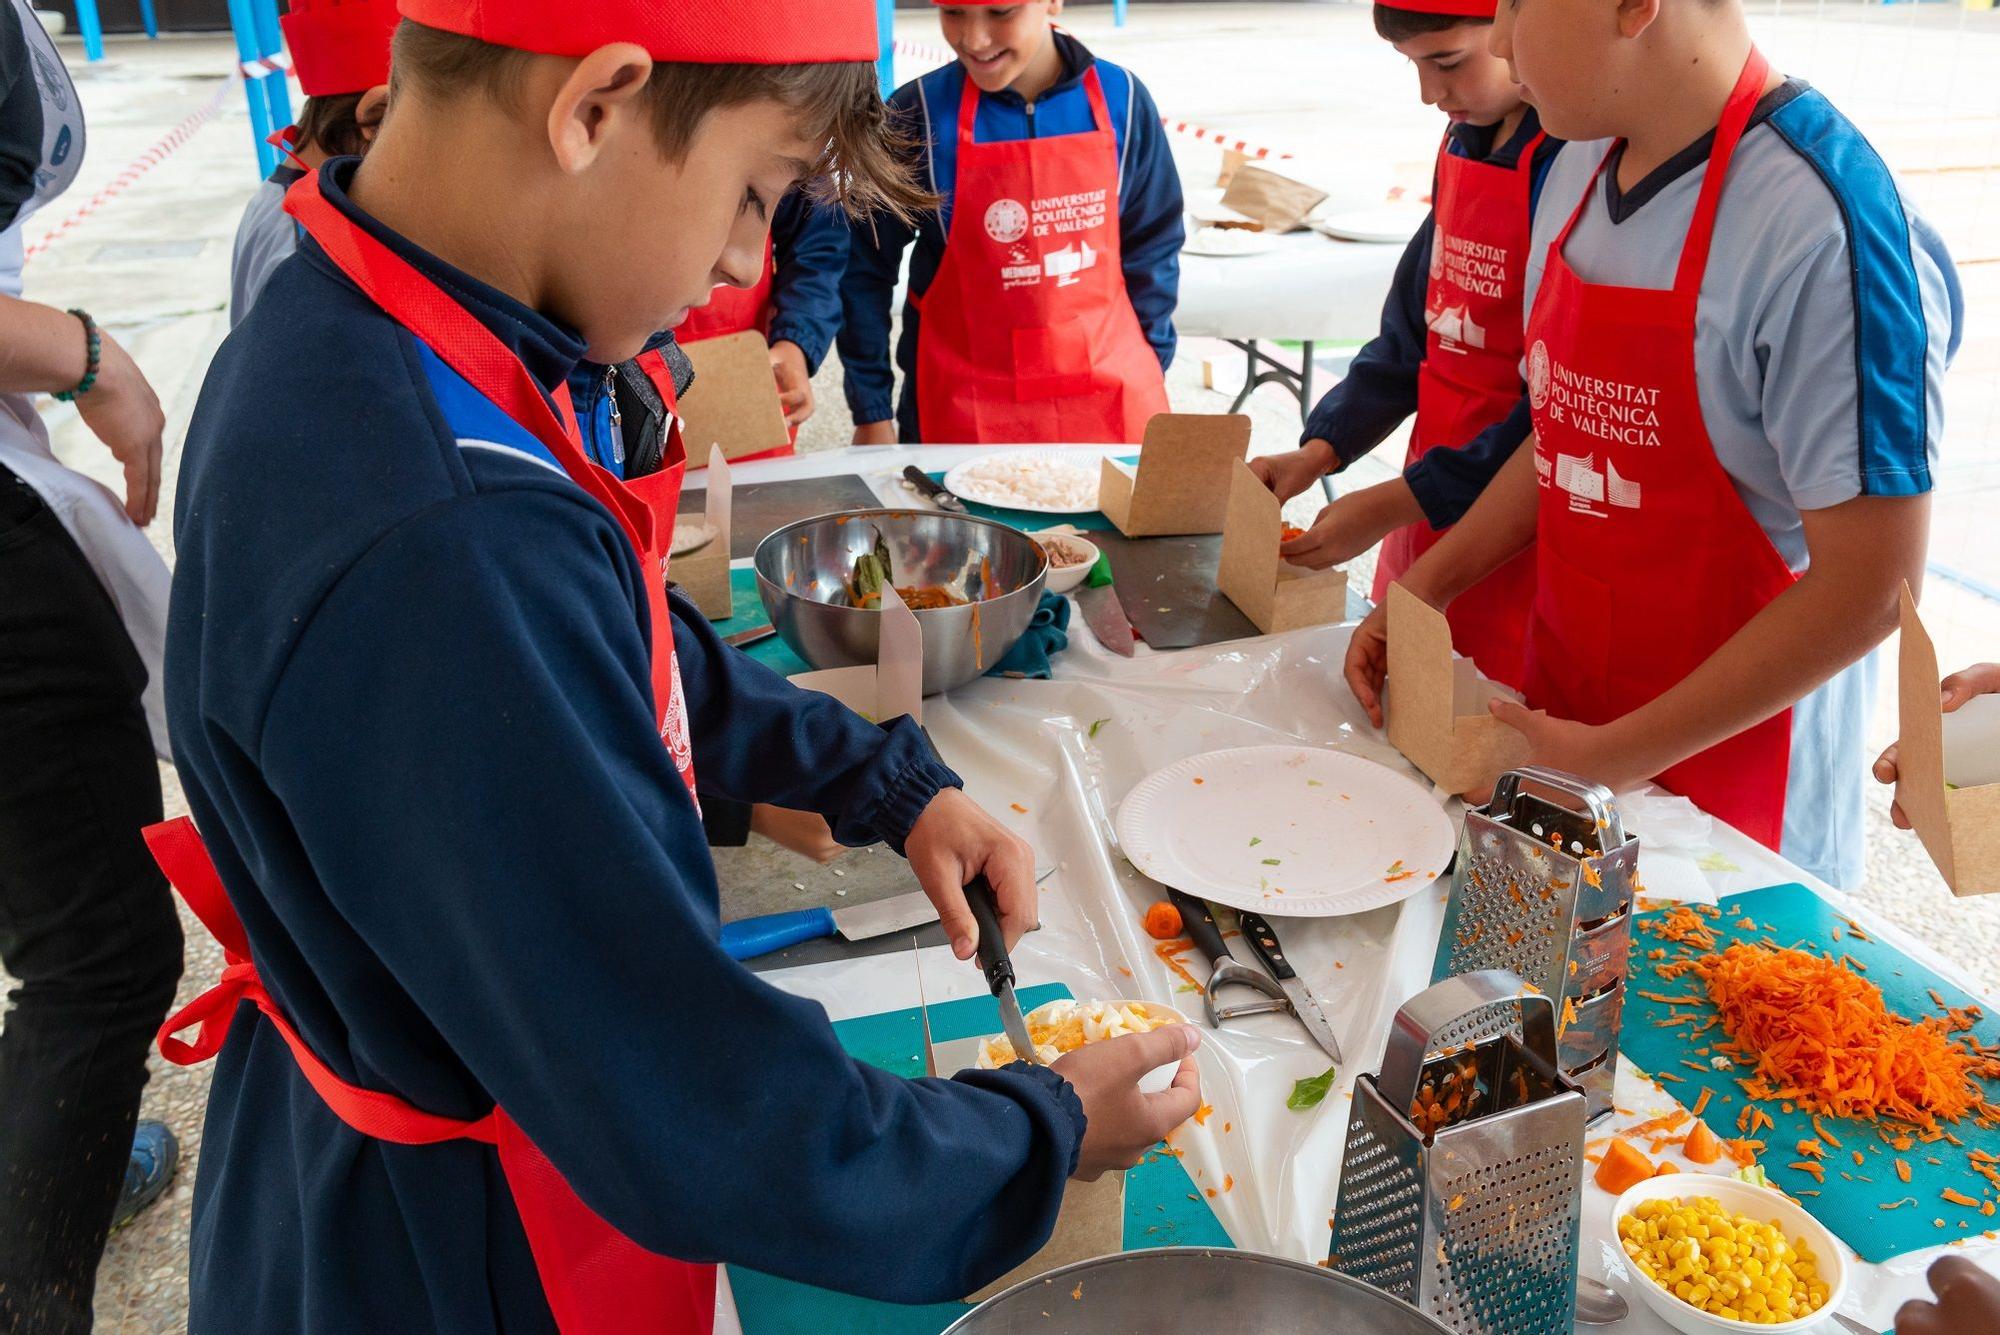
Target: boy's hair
x,y
1400,25
865,164
329,124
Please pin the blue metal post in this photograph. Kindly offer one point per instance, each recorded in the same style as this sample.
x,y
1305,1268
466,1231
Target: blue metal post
x,y
1117,13
271,43
146,16
243,24
93,31
885,65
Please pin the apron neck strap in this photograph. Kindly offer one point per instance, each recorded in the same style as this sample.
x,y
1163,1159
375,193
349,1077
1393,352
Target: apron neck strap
x,y
464,344
968,105
1736,115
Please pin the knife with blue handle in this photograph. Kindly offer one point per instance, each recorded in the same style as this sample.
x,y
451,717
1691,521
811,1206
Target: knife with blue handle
x,y
747,938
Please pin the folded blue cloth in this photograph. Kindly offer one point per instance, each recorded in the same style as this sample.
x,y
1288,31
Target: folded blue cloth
x,y
1047,635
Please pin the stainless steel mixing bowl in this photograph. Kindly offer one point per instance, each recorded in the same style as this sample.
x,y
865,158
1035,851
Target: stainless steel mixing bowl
x,y
1167,1289
802,571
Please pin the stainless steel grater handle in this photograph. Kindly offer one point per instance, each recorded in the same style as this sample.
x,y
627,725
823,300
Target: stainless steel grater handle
x,y
1440,1005
1595,797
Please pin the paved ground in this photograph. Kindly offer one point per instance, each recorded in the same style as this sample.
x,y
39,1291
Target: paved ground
x,y
153,263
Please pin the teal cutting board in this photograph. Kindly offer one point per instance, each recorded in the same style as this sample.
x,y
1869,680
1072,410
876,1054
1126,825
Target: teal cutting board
x,y
1158,1211
1850,1200
746,612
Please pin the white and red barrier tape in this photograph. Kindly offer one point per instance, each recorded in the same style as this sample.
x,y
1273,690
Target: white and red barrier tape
x,y
138,167
940,55
265,66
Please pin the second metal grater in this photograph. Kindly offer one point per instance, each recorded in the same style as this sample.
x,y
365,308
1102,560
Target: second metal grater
x,y
1543,888
1461,1188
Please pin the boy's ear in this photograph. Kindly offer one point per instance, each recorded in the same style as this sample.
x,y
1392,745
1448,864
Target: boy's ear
x,y
1635,16
603,84
369,110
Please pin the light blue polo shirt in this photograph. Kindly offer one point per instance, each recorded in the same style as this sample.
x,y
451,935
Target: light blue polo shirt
x,y
1828,313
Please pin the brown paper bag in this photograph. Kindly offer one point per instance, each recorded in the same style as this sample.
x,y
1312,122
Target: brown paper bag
x,y
1279,202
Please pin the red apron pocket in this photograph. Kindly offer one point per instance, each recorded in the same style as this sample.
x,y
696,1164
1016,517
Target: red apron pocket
x,y
1051,362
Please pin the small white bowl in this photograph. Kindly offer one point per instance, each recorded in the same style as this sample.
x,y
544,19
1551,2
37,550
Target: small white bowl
x,y
1744,1198
1155,1081
1066,576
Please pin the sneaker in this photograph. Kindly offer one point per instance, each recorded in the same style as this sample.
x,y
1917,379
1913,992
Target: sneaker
x,y
155,1156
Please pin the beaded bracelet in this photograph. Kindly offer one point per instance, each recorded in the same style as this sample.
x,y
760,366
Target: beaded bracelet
x,y
94,340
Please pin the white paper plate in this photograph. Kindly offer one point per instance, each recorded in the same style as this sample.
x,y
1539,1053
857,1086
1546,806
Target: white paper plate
x,y
1206,213
1389,225
1254,243
1294,831
960,484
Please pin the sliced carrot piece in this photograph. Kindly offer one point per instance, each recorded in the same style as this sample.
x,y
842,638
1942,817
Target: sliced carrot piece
x,y
1623,1167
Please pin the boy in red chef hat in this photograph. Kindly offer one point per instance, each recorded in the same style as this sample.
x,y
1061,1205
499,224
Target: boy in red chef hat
x,y
1043,284
1450,346
445,732
1737,333
340,53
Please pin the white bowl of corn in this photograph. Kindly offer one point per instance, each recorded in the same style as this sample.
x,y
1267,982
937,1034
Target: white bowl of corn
x,y
1720,1254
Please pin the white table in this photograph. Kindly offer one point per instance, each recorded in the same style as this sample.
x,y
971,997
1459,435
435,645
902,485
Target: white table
x,y
1026,744
1310,289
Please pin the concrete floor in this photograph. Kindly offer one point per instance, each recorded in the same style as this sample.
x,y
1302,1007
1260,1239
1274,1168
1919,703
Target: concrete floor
x,y
152,262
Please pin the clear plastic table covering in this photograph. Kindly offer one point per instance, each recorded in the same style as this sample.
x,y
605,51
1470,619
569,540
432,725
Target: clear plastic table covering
x,y
1027,744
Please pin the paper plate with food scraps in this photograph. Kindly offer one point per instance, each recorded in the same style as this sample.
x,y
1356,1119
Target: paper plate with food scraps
x,y
1296,831
1053,482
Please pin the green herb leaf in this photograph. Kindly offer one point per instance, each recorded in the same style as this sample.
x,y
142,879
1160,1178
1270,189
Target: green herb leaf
x,y
1310,1093
1098,724
1273,862
1254,841
1314,783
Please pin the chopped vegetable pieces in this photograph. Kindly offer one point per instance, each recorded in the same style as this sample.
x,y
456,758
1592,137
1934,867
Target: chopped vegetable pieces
x,y
1623,1167
1702,1145
1163,921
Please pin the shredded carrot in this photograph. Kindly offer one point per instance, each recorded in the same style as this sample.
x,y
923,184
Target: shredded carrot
x,y
1897,1205
1228,1182
1201,1114
1701,1102
1810,1167
1860,1160
1170,953
1958,1198
1821,1039
1811,1149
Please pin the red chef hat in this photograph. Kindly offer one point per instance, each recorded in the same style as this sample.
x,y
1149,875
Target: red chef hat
x,y
696,32
1465,9
339,46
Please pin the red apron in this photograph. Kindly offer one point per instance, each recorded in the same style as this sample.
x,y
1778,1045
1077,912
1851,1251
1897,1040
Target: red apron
x,y
1028,334
1649,560
596,1280
1471,378
733,310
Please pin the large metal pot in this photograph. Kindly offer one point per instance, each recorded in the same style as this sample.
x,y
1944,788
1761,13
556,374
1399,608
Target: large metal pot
x,y
802,571
1167,1289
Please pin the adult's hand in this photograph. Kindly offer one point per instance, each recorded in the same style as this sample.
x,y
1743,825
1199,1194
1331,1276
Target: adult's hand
x,y
1122,1122
955,840
122,410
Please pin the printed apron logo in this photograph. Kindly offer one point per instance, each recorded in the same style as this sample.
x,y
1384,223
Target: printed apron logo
x,y
1006,221
1538,376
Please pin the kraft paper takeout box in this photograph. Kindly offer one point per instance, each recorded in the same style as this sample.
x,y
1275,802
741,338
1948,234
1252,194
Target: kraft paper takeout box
x,y
1277,201
1272,592
1181,483
1960,826
703,573
733,401
893,685
1437,703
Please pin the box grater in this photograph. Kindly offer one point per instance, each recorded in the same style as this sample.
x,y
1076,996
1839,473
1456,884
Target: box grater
x,y
1543,888
1461,1189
